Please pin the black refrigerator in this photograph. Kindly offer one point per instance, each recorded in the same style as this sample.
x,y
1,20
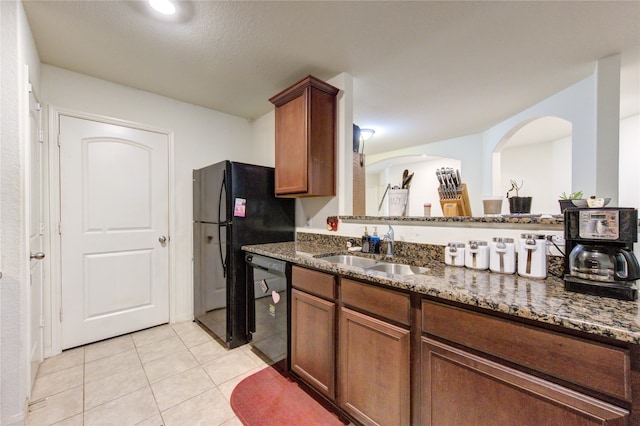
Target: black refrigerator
x,y
233,205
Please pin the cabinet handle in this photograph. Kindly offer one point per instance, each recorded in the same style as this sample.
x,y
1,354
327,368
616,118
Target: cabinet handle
x,y
38,256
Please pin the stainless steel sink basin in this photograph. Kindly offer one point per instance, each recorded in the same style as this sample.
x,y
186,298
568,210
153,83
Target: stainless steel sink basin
x,y
372,265
397,269
361,262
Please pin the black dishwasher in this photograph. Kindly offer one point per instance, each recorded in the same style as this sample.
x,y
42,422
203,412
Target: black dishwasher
x,y
267,307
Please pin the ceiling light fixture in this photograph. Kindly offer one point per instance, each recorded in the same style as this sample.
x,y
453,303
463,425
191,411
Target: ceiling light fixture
x,y
163,6
366,134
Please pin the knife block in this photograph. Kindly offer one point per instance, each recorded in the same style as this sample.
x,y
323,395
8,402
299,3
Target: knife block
x,y
456,206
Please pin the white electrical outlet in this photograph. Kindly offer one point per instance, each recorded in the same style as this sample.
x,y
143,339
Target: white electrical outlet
x,y
554,237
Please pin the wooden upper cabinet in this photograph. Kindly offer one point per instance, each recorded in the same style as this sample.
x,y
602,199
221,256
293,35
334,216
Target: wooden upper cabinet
x,y
306,139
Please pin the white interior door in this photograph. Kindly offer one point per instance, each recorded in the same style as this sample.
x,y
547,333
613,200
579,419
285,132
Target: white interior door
x,y
36,237
114,230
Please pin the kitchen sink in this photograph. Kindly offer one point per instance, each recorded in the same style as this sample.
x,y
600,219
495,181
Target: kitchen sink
x,y
397,269
373,265
361,262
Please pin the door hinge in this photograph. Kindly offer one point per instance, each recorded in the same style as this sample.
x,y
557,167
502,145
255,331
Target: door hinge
x,y
30,87
59,228
42,229
38,106
60,314
41,135
41,320
59,140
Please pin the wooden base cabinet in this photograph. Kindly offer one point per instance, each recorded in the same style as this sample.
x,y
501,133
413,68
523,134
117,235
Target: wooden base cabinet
x,y
374,383
460,388
313,341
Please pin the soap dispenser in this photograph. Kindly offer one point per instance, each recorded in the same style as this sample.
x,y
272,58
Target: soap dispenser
x,y
374,243
366,241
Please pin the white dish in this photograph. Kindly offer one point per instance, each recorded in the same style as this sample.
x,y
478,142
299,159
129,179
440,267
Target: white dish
x,y
602,202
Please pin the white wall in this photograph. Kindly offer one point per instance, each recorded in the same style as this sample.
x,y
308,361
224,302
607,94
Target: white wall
x,y
467,149
542,167
588,106
201,137
577,104
424,186
12,237
560,168
629,154
263,140
18,54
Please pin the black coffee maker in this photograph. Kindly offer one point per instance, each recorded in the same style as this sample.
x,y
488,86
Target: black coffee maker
x,y
599,256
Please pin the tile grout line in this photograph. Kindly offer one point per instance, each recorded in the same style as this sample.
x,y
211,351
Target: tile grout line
x,y
148,382
84,381
195,341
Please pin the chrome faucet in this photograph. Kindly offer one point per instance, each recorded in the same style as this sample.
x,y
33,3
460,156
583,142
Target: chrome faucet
x,y
388,238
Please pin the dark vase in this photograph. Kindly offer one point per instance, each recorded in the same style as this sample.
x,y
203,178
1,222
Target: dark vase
x,y
565,204
520,205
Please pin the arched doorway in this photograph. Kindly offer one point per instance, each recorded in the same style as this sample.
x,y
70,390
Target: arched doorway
x,y
537,153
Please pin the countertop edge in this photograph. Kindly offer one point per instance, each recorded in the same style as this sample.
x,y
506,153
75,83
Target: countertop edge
x,y
578,316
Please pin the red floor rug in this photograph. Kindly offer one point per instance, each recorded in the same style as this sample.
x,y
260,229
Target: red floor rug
x,y
267,398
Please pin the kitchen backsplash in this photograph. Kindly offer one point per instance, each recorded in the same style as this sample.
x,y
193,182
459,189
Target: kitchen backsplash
x,y
419,254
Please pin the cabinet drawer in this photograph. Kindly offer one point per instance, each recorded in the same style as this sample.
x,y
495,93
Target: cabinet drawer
x,y
314,282
389,304
596,366
452,380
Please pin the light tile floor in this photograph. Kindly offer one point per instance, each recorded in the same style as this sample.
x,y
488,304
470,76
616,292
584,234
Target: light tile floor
x,y
167,375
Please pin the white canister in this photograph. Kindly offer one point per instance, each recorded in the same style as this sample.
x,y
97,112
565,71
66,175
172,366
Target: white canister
x,y
454,254
502,255
477,255
532,256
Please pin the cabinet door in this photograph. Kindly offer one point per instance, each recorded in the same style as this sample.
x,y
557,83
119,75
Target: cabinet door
x,y
374,370
291,174
459,388
306,139
313,341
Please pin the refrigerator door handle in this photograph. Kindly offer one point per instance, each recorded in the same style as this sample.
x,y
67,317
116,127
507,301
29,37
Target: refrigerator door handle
x,y
223,261
223,191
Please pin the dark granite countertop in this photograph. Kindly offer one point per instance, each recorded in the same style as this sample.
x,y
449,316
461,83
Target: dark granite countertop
x,y
540,300
520,220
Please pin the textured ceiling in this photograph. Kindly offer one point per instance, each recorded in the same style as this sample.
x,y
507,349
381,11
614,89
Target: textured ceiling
x,y
423,70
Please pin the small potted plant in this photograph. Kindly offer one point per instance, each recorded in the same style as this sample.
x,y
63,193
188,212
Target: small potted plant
x,y
567,200
518,204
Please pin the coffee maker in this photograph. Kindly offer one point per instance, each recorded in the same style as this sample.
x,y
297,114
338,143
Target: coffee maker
x,y
599,251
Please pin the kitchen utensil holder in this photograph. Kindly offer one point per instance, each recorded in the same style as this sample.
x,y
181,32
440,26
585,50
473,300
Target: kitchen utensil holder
x,y
457,204
398,202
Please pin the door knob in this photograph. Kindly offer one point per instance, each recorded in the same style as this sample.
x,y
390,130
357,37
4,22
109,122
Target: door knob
x,y
162,239
38,256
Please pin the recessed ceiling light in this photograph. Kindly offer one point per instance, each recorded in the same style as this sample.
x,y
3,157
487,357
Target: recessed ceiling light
x,y
163,6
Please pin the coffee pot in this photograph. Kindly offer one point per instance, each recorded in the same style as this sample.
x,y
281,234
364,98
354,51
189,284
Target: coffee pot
x,y
599,244
603,263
